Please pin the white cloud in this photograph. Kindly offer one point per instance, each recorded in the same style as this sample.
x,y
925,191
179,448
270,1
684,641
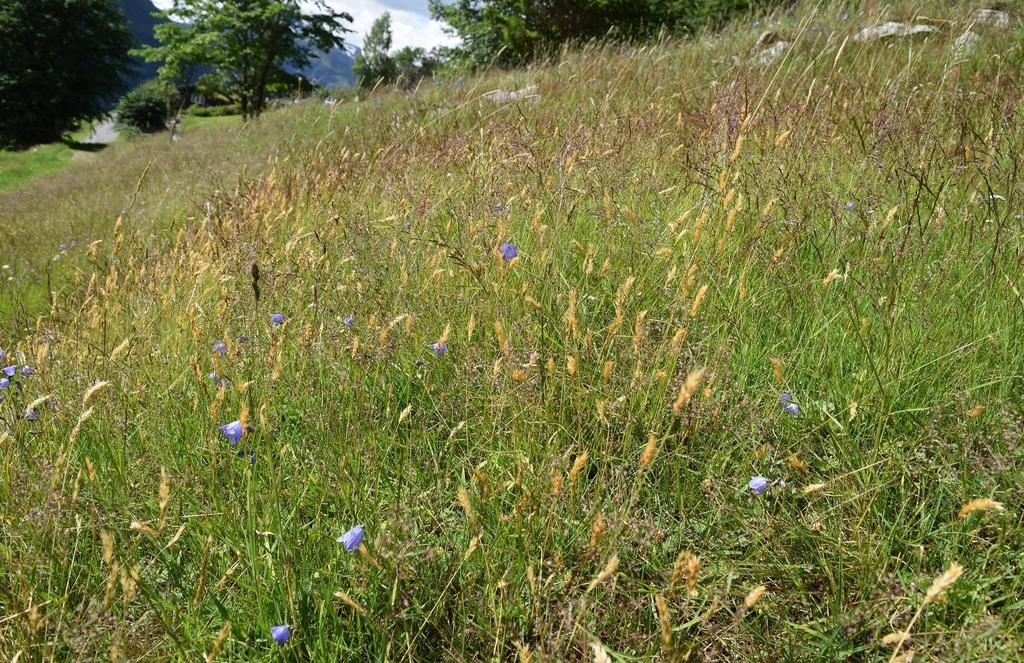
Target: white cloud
x,y
410,21
408,27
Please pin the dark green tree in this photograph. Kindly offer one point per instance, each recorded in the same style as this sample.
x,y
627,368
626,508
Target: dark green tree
x,y
374,64
247,43
515,31
61,62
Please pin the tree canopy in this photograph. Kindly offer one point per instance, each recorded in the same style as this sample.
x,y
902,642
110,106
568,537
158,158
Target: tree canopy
x,y
374,61
515,31
63,61
246,43
377,64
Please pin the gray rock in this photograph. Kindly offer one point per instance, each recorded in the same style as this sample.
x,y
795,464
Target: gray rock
x,y
506,96
772,53
891,29
995,17
767,38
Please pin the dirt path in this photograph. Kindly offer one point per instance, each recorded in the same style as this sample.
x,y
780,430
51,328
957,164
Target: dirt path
x,y
102,133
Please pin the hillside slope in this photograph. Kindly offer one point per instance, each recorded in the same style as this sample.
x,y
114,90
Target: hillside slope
x,y
685,353
141,22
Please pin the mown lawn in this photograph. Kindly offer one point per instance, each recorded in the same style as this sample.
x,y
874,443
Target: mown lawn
x,y
20,166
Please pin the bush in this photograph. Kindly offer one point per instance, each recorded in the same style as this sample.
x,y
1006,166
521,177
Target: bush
x,y
147,107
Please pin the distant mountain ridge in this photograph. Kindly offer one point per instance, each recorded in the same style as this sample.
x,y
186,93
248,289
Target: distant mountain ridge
x,y
141,23
330,69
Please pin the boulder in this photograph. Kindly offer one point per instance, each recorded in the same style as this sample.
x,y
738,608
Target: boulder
x,y
772,53
768,48
892,29
507,96
997,18
766,39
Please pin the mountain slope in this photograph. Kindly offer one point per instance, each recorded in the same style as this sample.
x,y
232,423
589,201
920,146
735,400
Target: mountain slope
x,y
332,69
141,23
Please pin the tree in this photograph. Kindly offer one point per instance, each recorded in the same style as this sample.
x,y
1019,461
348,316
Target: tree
x,y
62,62
413,65
515,31
247,42
181,55
374,63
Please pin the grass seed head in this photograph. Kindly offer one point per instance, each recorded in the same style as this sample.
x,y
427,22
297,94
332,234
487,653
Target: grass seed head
x,y
650,450
218,644
597,529
685,571
664,620
754,596
600,655
686,392
610,567
695,306
943,582
351,602
980,504
463,496
578,465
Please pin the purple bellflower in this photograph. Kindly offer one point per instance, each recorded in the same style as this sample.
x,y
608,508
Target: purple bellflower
x,y
786,400
352,538
232,432
280,633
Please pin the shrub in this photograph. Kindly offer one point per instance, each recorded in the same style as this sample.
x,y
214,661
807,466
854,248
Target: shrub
x,y
147,107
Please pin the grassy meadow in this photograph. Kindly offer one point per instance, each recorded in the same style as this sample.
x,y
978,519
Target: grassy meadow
x,y
551,453
18,167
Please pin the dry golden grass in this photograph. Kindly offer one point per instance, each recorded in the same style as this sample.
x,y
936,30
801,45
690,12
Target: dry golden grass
x,y
600,463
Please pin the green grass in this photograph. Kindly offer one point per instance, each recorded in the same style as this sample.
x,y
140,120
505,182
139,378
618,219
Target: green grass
x,y
20,166
497,481
194,121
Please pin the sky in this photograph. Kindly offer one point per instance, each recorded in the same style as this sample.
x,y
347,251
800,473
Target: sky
x,y
410,21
